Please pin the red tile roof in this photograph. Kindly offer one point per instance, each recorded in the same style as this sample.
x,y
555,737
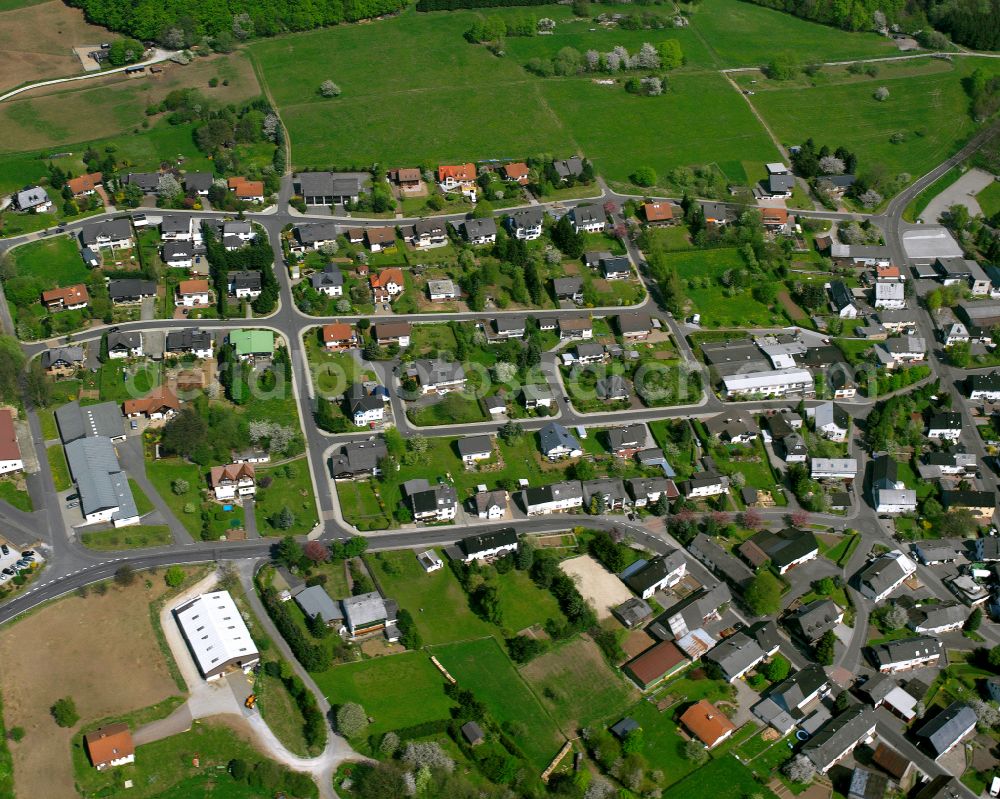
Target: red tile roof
x,y
337,331
655,662
70,295
707,722
658,212
457,172
193,287
109,743
9,449
85,183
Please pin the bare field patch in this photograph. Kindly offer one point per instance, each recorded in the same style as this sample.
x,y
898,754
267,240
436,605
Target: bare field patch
x,y
113,104
100,650
599,587
37,42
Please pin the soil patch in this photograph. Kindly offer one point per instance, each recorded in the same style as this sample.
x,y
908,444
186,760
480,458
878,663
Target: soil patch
x,y
100,650
599,587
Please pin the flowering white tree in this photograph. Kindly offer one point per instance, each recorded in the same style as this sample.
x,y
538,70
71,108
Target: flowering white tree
x,y
648,57
831,165
653,86
504,372
329,89
168,186
800,769
243,27
593,60
427,753
870,199
881,94
271,125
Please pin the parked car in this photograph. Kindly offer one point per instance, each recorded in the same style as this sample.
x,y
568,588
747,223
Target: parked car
x,y
4,549
28,558
72,504
7,572
27,552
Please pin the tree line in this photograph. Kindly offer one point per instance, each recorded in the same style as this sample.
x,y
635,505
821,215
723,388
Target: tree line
x,y
182,23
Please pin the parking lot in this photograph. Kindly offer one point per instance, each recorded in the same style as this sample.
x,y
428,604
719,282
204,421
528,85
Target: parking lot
x,y
11,557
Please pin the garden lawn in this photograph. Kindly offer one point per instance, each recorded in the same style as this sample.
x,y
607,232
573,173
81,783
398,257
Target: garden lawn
x,y
135,537
523,604
59,467
55,261
395,690
360,505
483,668
725,778
839,553
931,111
437,602
332,372
142,502
293,492
162,473
662,742
577,686
989,199
9,492
716,309
452,409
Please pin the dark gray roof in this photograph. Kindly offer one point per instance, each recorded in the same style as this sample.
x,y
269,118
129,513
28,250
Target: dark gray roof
x,y
484,542
175,224
611,488
786,546
474,228
124,340
792,692
320,231
147,181
655,570
554,435
611,387
103,419
904,649
616,265
248,279
719,561
697,606
841,295
839,735
472,445
62,355
315,601
567,286
781,183
947,728
633,611
527,217
941,614
569,167
330,276
634,323
431,373
867,784
816,618
177,249
189,339
586,214
766,634
198,181
736,654
115,229
633,435
99,479
323,184
128,288
569,489
359,457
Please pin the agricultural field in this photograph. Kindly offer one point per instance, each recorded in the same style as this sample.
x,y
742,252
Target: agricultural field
x,y
483,668
102,651
396,690
57,115
577,686
37,38
930,111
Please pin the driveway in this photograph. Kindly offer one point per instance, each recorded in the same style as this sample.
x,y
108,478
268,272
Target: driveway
x,y
250,518
962,192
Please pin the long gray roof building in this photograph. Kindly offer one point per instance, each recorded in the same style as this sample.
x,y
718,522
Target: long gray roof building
x,y
100,480
76,421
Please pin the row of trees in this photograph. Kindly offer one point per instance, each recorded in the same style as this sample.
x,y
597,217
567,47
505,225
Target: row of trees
x,y
570,61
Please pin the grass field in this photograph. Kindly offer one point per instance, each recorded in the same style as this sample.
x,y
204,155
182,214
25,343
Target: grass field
x,y
290,488
396,690
930,111
523,604
59,467
402,578
725,778
9,492
162,473
716,309
411,76
102,651
116,104
135,537
55,261
577,686
989,199
483,668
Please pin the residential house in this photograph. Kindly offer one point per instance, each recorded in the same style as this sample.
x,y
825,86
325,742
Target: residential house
x,y
437,377
612,388
392,333
329,282
705,484
517,173
780,181
506,327
716,214
198,183
634,326
900,352
769,383
656,664
428,233
786,548
647,491
369,613
110,745
884,574
659,213
178,254
988,549
149,182
160,403
836,185
707,723
843,300
125,344
891,494
537,396
315,602
486,546
130,291
938,618
250,344
833,468
568,168
232,481
662,571
945,427
801,689
618,267
736,655
108,234
34,199
956,271
568,288
363,407
831,421
575,327
190,341
251,191
70,298
378,239
10,450
867,784
491,505
951,461
180,228
438,503
702,606
984,386
981,504
588,218
387,285
442,290
776,219
632,612
947,729
314,236
869,255
358,459
740,427
588,353
967,589
813,620
192,293
553,498
85,185
934,552
63,361
604,494
890,295
836,739
526,223
460,177
628,440
244,285
339,336
327,188
557,442
480,231
473,449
